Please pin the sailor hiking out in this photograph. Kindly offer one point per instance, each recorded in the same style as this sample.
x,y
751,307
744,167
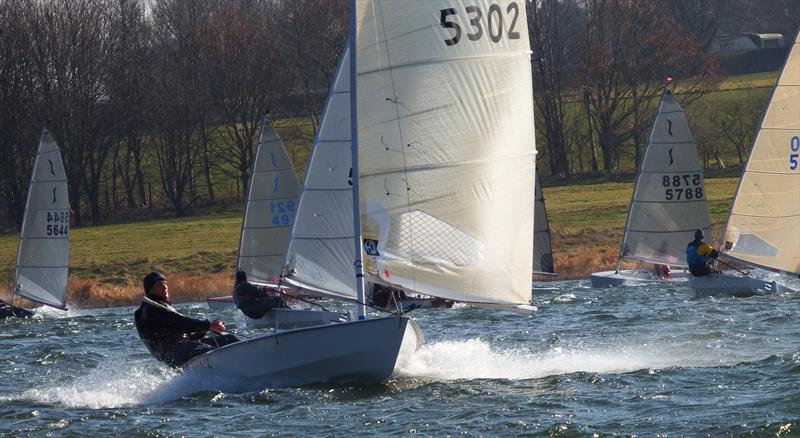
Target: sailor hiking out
x,y
254,301
169,336
699,256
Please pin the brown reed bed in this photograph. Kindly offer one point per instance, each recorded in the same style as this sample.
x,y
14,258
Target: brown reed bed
x,y
85,293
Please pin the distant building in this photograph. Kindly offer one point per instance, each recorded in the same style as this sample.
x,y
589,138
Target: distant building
x,y
746,42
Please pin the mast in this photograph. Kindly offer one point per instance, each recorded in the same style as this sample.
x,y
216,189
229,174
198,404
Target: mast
x,y
358,262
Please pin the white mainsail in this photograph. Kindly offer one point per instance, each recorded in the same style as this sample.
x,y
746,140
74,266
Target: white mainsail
x,y
542,247
763,227
320,255
446,147
43,257
270,210
669,202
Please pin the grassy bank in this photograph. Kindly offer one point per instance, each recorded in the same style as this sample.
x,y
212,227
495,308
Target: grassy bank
x,y
198,253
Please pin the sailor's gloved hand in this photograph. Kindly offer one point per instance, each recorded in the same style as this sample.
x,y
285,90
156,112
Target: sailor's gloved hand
x,y
217,326
714,254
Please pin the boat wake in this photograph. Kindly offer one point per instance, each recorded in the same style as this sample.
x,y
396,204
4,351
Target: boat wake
x,y
113,384
118,384
475,359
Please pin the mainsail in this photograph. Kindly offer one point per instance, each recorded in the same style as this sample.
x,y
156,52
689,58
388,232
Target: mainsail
x,y
320,255
43,257
763,227
542,248
270,210
446,147
669,202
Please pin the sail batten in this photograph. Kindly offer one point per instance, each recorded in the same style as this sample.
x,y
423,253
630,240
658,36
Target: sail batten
x,y
763,226
669,201
43,255
446,153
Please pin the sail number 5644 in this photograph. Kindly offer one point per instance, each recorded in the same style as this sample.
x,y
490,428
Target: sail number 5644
x,y
491,22
794,146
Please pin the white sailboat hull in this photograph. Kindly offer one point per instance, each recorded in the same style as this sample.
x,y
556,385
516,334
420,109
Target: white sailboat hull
x,y
220,303
729,285
634,277
363,352
537,289
289,319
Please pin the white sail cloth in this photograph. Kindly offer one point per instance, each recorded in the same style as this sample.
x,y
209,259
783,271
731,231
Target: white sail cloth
x,y
269,211
446,147
43,257
320,255
669,201
763,228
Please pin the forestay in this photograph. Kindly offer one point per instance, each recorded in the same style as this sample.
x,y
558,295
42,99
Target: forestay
x,y
320,255
269,211
542,248
763,228
446,147
43,257
669,202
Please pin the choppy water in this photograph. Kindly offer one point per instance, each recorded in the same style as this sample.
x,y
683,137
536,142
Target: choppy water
x,y
644,361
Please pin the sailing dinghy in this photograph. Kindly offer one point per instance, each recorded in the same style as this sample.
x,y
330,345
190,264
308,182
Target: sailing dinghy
x,y
269,214
668,204
542,247
438,172
763,227
43,255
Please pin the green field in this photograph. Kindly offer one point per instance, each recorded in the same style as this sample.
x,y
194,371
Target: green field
x,y
585,218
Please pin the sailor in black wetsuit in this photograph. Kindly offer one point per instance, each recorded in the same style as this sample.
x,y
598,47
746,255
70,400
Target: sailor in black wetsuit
x,y
254,301
8,311
171,337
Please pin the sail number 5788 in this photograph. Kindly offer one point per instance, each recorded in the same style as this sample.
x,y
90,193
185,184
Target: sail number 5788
x,y
480,24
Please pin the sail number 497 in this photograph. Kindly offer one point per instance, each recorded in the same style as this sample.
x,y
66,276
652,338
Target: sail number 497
x,y
682,187
491,22
794,146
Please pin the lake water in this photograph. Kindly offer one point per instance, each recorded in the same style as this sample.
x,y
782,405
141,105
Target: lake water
x,y
641,361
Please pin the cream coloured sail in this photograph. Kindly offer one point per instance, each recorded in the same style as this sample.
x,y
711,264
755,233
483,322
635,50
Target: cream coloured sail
x,y
320,255
270,210
763,227
542,248
446,147
669,201
43,257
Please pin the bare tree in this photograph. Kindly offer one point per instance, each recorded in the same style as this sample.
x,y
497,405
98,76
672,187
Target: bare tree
x,y
628,47
552,24
177,98
18,97
243,64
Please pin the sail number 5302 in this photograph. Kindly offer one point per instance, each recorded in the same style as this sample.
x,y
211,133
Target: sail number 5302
x,y
492,22
794,146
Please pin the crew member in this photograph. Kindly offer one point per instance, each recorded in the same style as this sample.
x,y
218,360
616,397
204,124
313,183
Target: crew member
x,y
171,337
699,256
254,301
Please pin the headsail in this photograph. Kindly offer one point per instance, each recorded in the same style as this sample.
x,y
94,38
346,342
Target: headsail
x,y
320,255
669,201
542,248
763,228
43,257
446,147
270,210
